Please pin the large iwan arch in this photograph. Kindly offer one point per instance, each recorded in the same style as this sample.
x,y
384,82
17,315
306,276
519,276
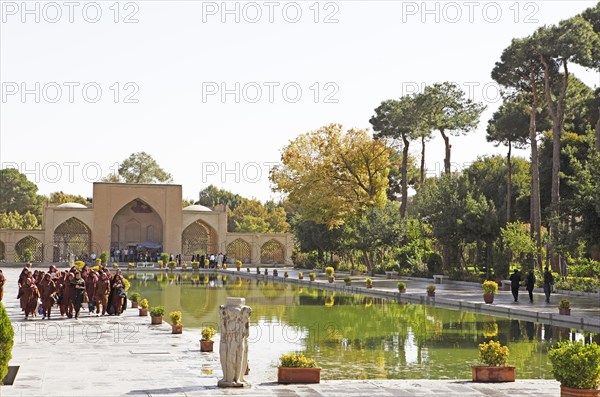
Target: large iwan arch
x,y
134,224
71,237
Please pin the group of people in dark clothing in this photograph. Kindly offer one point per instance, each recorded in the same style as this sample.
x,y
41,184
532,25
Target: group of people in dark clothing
x,y
515,284
69,290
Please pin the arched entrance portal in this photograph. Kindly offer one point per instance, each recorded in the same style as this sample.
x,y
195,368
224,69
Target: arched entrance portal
x,y
138,230
71,237
198,238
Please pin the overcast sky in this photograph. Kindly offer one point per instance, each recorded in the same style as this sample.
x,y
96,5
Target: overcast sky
x,y
214,92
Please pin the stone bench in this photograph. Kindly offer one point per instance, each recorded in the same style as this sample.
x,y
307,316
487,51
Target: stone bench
x,y
439,278
505,285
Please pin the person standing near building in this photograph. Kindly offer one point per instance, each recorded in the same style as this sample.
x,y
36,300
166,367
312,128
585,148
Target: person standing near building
x,y
548,283
515,283
2,282
530,284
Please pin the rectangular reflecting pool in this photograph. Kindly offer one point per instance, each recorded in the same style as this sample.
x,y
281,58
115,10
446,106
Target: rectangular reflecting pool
x,y
353,336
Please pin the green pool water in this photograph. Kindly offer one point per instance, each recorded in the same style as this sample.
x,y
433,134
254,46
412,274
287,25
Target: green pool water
x,y
352,336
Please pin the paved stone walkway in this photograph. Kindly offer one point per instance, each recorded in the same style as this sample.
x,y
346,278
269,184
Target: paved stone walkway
x,y
110,356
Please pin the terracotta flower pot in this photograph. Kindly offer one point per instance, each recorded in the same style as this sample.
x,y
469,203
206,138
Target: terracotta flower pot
x,y
206,345
431,293
369,285
348,283
177,329
298,375
488,298
565,311
143,312
402,290
156,320
570,392
330,279
493,374
134,305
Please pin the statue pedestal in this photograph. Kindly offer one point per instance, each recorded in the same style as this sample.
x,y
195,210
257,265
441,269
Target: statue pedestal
x,y
233,348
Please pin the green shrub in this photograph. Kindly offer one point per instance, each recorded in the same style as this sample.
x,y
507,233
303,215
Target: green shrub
x,y
164,257
369,281
493,354
431,288
6,341
401,285
208,333
576,365
564,304
312,276
329,271
584,268
275,273
293,360
104,256
135,297
347,280
158,311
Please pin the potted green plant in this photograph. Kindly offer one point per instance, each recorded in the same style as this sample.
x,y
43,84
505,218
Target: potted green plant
x,y
329,271
577,367
176,324
312,276
275,273
564,307
184,266
490,288
285,274
401,286
131,265
369,282
247,270
195,265
257,270
134,297
494,357
238,264
143,307
172,264
296,368
347,280
157,313
300,276
431,290
206,343
115,265
160,264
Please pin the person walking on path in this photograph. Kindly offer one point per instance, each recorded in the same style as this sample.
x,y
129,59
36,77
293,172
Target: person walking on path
x,y
548,283
530,284
515,283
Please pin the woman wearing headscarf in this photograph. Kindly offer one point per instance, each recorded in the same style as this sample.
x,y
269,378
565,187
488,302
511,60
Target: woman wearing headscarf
x,y
30,295
101,293
77,285
47,288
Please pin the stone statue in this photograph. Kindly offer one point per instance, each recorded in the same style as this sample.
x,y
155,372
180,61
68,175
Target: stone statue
x,y
233,349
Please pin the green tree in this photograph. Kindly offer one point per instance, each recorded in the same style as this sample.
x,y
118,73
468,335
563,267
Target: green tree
x,y
142,168
571,41
61,197
509,126
449,111
18,194
399,119
521,73
519,242
211,196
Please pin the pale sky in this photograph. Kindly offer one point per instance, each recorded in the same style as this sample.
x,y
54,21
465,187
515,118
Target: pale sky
x,y
170,66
